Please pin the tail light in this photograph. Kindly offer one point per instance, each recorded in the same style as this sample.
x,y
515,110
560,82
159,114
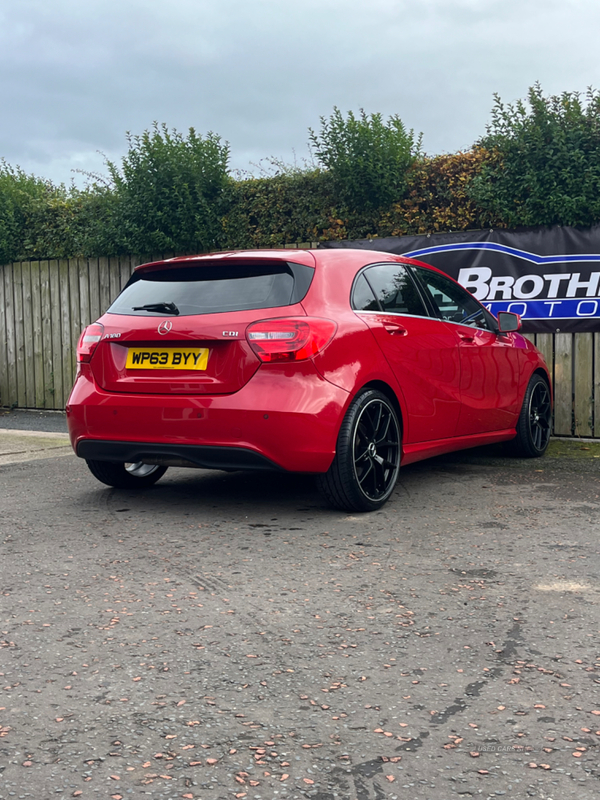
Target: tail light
x,y
88,341
291,339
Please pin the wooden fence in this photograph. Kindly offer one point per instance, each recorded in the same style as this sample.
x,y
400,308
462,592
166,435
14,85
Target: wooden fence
x,y
44,305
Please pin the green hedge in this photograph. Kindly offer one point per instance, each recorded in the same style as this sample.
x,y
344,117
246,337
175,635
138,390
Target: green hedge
x,y
538,164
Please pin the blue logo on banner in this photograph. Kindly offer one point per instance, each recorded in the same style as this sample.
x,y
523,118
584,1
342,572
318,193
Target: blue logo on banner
x,y
527,294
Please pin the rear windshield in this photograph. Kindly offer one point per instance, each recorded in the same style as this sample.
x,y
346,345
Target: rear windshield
x,y
213,288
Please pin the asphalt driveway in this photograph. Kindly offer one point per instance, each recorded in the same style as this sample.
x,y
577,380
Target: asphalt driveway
x,y
228,635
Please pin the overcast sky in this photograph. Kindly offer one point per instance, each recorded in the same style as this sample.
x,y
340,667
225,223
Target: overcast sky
x,y
75,75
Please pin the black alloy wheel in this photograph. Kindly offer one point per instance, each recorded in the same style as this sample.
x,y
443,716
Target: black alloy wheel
x,y
365,468
535,420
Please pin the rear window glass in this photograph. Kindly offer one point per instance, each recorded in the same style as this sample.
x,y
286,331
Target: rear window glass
x,y
214,288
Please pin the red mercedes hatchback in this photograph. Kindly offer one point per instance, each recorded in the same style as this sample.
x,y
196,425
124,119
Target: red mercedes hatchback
x,y
342,363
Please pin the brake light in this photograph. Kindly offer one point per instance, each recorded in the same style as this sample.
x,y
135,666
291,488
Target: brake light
x,y
291,339
88,341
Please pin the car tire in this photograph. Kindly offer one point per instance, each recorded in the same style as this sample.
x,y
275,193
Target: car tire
x,y
365,467
126,476
535,420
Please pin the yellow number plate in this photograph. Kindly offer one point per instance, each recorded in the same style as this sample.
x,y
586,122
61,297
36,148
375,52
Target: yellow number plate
x,y
167,358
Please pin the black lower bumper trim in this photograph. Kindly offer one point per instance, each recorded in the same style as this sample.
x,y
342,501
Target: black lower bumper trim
x,y
206,457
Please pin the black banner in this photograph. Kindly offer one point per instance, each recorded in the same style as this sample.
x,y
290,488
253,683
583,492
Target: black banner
x,y
550,276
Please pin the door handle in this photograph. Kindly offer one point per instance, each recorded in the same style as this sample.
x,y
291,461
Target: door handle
x,y
467,337
395,330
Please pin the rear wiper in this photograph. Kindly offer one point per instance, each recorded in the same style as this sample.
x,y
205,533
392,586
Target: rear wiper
x,y
167,308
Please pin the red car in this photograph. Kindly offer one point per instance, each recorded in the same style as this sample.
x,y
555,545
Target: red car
x,y
342,363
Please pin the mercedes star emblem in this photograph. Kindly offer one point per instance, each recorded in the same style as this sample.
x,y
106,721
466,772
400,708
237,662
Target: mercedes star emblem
x,y
165,326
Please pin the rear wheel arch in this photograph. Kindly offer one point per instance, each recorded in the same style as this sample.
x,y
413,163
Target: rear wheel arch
x,y
542,372
391,395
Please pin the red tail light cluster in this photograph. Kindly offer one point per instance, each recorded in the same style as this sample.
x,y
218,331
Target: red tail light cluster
x,y
88,341
291,339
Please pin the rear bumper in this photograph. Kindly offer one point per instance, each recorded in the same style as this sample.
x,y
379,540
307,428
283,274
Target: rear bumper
x,y
180,455
283,418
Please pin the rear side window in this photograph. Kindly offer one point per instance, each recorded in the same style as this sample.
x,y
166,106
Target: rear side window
x,y
214,288
388,288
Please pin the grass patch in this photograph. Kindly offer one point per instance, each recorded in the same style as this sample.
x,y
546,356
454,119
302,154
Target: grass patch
x,y
573,448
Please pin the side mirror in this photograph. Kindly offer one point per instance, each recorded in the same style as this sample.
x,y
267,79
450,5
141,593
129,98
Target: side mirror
x,y
508,322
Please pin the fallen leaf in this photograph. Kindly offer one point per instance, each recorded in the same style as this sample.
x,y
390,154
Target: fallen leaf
x,y
474,754
284,777
390,778
308,780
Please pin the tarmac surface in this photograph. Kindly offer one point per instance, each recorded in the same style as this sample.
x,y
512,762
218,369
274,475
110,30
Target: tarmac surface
x,y
229,636
33,420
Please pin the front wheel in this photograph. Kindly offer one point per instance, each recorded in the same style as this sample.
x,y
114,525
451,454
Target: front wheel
x,y
535,420
365,468
126,476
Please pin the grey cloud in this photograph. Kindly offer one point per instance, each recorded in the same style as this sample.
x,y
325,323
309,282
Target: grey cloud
x,y
75,76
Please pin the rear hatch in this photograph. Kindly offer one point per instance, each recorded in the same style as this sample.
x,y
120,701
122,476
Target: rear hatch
x,y
179,327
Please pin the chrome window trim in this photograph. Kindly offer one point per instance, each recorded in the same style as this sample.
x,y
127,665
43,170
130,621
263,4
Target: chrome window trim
x,y
398,314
